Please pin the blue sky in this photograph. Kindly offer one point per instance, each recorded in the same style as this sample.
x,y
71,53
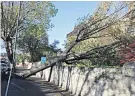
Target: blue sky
x,y
3,50
66,18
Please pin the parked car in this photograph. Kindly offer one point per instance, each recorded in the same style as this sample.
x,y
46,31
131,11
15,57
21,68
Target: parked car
x,y
5,70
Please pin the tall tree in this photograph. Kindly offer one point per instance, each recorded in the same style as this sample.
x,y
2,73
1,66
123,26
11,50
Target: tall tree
x,y
90,26
20,14
33,41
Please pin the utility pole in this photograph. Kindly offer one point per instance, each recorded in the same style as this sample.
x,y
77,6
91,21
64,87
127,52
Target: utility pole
x,y
16,33
14,50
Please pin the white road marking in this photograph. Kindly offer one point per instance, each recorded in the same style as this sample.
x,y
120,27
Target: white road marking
x,y
18,86
8,80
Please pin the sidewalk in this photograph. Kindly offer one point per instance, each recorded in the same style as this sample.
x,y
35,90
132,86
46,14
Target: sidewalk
x,y
33,86
48,88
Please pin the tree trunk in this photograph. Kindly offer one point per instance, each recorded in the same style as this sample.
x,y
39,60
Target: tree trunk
x,y
60,59
31,56
45,67
38,70
9,50
50,74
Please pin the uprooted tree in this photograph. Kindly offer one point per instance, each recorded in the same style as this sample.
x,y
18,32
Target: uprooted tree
x,y
89,28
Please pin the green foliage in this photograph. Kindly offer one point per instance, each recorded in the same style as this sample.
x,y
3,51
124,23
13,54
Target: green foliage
x,y
54,44
34,39
32,19
40,12
29,12
21,57
107,36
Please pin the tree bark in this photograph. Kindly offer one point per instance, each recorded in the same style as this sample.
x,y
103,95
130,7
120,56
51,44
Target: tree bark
x,y
9,49
35,71
60,59
50,74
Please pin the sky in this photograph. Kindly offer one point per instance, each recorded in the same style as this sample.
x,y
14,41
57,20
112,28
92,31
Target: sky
x,y
3,50
66,18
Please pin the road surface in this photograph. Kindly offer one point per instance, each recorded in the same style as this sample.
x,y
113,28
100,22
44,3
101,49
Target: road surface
x,y
32,87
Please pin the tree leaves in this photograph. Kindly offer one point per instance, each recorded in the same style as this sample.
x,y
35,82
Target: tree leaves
x,y
40,12
102,28
30,12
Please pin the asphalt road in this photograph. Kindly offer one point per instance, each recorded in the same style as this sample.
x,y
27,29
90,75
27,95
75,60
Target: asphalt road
x,y
32,87
21,88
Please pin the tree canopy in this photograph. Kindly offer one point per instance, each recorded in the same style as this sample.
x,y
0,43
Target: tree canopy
x,y
21,16
100,35
107,15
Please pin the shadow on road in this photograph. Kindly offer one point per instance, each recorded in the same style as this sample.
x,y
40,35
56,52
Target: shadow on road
x,y
48,87
32,87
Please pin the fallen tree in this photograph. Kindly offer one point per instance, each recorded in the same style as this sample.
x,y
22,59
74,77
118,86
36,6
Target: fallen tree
x,y
88,28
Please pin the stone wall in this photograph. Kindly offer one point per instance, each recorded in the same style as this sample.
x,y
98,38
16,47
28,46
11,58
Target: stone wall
x,y
94,81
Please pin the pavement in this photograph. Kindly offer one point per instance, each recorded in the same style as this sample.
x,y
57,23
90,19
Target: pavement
x,y
32,87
